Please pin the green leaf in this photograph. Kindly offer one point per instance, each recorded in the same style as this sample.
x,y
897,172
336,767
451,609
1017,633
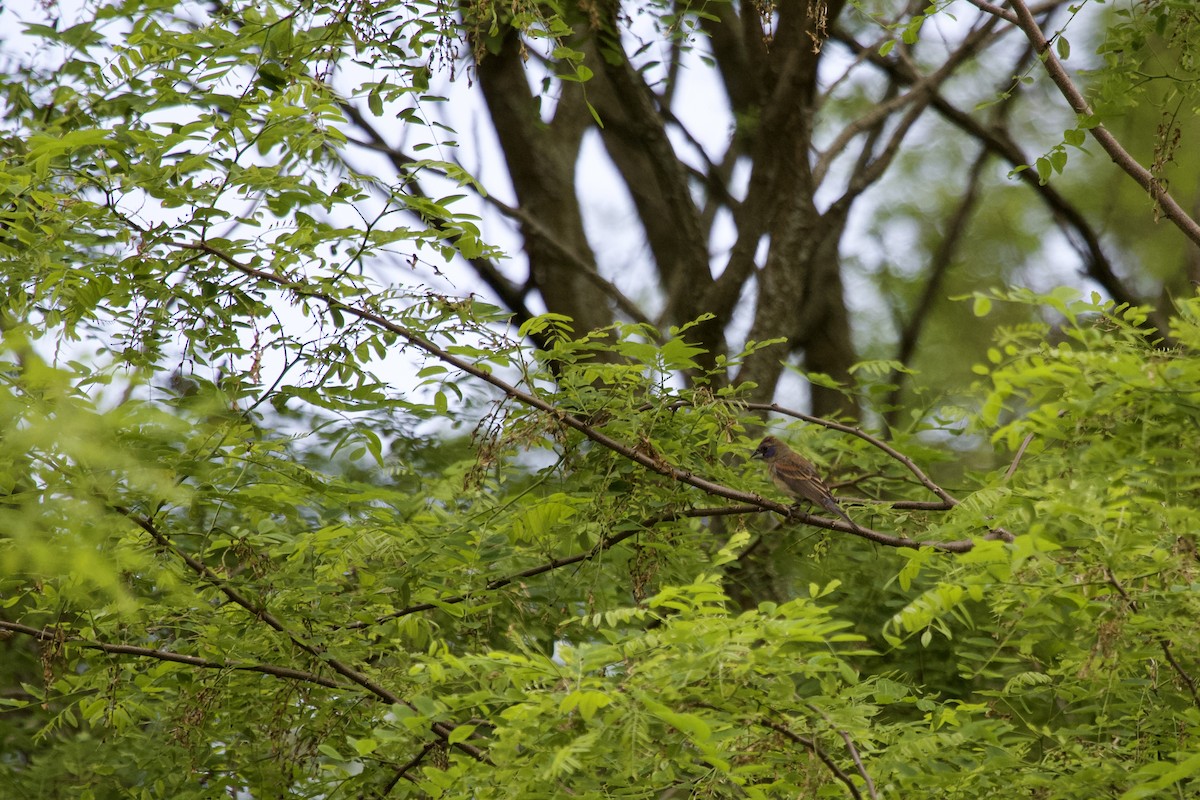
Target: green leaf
x,y
460,733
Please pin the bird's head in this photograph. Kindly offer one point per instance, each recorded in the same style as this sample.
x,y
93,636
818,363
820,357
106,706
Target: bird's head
x,y
768,449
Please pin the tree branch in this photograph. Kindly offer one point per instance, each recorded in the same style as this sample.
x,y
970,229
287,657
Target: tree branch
x,y
1163,642
605,543
45,635
920,96
810,744
948,500
939,266
1079,233
650,460
403,771
1023,18
851,748
440,729
509,293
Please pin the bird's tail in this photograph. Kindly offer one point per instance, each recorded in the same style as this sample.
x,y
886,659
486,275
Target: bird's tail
x,y
831,505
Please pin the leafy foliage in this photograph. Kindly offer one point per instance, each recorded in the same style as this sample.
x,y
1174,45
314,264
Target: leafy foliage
x,y
274,527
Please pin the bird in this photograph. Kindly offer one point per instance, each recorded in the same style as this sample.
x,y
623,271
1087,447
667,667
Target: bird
x,y
796,475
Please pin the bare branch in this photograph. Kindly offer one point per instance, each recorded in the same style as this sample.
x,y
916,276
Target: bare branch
x,y
402,772
1023,18
851,748
1078,231
919,96
1163,642
810,744
939,266
532,225
995,11
56,635
1012,468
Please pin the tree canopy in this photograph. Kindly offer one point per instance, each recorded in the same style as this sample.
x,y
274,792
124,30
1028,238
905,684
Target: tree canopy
x,y
343,458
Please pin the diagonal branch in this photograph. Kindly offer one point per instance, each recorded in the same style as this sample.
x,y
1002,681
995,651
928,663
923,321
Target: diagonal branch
x,y
512,295
531,225
919,96
440,729
939,267
509,292
606,543
637,454
810,744
651,461
1163,642
862,770
1074,225
1023,18
948,499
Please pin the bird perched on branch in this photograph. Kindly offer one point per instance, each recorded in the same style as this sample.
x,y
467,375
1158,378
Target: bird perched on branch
x,y
796,475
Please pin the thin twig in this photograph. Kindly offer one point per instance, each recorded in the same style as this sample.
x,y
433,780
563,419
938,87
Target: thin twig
x,y
908,463
412,764
920,91
1163,642
811,745
259,612
1082,237
1024,19
56,635
850,747
1017,458
605,543
948,500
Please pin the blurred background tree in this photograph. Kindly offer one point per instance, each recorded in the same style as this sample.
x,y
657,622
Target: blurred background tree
x,y
825,173
344,458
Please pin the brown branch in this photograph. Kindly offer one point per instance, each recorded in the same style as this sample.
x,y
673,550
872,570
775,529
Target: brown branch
x,y
1163,642
1023,18
851,748
810,744
1079,233
948,500
412,764
1012,468
1179,670
651,461
909,464
509,293
919,96
921,90
605,543
259,612
46,635
939,267
531,225
995,11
